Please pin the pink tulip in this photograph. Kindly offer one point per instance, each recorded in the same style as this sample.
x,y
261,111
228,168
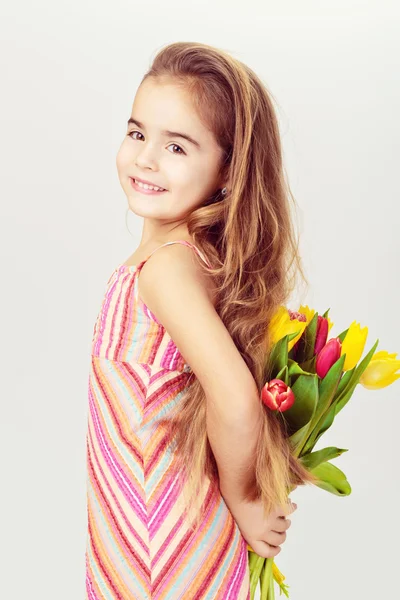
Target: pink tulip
x,y
322,334
329,354
277,395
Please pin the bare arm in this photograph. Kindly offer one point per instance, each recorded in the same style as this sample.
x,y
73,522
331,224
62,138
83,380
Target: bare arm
x,y
172,286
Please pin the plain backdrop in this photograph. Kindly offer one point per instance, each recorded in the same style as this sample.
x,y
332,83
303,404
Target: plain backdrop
x,y
69,72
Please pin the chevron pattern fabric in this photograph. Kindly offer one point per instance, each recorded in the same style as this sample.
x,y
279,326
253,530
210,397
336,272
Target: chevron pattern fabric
x,y
139,545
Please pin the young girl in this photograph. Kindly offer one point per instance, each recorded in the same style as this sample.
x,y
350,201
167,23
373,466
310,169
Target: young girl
x,y
186,466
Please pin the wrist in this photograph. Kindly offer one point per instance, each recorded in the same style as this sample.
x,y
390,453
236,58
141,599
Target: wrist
x,y
232,493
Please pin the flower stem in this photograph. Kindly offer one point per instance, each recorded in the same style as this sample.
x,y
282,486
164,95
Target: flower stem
x,y
271,587
256,564
267,582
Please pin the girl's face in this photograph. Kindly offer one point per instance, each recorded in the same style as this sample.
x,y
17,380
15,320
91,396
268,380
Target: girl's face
x,y
152,150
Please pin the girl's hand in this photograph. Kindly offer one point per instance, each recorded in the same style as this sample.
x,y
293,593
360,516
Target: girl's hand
x,y
264,535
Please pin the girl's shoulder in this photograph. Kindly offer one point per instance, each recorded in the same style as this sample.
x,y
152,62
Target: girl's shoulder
x,y
158,265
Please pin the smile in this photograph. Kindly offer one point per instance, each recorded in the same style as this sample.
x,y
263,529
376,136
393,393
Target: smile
x,y
146,188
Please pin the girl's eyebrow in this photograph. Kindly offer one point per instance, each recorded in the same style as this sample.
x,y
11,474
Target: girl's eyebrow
x,y
168,133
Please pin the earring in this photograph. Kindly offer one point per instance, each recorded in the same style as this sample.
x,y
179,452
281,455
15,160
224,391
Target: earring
x,y
217,198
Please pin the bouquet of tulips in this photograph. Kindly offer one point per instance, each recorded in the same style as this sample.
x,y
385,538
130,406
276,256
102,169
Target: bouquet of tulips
x,y
313,379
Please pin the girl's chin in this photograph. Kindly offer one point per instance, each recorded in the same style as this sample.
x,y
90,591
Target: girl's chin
x,y
143,208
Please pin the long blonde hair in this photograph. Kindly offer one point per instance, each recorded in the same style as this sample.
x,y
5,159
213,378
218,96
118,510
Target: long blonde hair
x,y
248,237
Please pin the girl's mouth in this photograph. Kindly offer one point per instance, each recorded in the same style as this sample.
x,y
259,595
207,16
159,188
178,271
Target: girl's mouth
x,y
144,188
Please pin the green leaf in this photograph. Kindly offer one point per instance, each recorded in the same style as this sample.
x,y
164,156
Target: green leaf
x,y
342,335
331,479
291,336
309,365
295,369
283,375
327,390
344,392
313,459
344,382
277,358
347,392
324,426
305,389
308,339
297,439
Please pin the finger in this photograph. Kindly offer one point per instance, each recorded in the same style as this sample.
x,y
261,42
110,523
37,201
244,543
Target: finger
x,y
275,538
281,525
266,550
287,509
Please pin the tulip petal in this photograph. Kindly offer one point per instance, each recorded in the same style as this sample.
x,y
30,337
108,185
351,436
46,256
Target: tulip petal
x,y
278,575
383,354
380,372
280,324
382,383
353,344
308,312
327,357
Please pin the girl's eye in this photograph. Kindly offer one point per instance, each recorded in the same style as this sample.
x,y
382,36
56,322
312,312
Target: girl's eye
x,y
176,145
134,132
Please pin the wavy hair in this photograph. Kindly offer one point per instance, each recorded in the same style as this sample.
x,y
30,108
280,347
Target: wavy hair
x,y
252,274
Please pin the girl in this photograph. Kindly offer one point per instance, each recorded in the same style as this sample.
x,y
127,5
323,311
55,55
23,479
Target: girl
x,y
185,464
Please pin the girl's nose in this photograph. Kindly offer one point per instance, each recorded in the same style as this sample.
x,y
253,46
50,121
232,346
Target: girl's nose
x,y
147,159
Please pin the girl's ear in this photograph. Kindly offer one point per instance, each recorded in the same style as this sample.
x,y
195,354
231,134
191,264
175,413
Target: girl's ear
x,y
223,177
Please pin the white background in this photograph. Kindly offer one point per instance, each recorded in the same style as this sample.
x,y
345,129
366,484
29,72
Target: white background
x,y
69,74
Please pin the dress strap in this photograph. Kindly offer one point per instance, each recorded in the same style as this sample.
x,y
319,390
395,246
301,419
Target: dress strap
x,y
186,243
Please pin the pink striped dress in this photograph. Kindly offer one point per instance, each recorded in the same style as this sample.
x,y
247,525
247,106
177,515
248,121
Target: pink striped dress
x,y
138,545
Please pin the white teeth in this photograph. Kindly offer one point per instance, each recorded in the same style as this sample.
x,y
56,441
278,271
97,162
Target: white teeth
x,y
148,187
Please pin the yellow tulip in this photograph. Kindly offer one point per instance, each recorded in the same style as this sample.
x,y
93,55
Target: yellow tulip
x,y
281,324
380,371
308,312
279,577
353,345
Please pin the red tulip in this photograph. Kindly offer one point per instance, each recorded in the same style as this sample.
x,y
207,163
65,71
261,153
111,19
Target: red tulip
x,y
329,354
322,334
277,395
